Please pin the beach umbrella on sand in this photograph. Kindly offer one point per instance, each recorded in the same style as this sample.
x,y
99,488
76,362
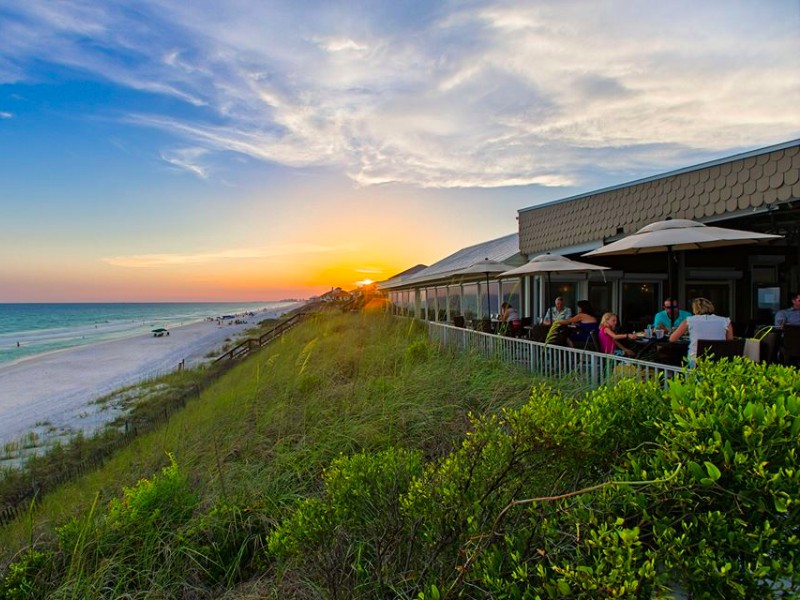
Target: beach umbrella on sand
x,y
676,235
484,267
547,264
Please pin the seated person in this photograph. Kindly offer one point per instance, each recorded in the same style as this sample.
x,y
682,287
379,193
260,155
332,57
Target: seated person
x,y
669,318
609,339
559,312
703,325
791,315
509,318
584,322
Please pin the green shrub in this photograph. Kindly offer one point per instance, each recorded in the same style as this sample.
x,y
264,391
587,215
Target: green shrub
x,y
729,524
353,537
29,576
133,542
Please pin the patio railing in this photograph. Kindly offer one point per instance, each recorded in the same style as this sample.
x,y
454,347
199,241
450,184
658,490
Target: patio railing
x,y
595,368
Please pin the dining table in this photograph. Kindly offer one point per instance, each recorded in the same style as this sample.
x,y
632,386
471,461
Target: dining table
x,y
661,350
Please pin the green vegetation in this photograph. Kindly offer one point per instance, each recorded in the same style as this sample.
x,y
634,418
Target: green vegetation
x,y
351,459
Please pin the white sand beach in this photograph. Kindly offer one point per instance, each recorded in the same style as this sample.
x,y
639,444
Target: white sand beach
x,y
58,388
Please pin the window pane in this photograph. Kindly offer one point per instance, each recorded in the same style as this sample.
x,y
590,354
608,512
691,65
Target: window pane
x,y
639,305
511,294
718,293
431,302
441,303
454,300
600,297
423,313
469,301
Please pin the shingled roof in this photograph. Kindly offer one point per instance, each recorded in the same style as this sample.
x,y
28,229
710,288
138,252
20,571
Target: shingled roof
x,y
749,182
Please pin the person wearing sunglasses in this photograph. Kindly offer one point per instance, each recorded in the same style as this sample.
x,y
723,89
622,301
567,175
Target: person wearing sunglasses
x,y
672,316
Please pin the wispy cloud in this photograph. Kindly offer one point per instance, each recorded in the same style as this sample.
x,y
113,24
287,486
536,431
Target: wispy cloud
x,y
495,94
187,159
140,261
5,115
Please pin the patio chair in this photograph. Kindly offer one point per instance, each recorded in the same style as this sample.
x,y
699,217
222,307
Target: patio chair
x,y
769,346
791,344
717,349
593,341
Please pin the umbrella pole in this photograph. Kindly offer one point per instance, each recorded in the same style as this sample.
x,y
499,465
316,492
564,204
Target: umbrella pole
x,y
547,291
671,291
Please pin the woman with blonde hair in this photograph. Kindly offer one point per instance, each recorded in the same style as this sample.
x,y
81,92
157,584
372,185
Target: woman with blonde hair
x,y
702,325
609,339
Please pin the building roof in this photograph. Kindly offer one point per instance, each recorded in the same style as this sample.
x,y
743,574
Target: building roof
x,y
725,188
504,249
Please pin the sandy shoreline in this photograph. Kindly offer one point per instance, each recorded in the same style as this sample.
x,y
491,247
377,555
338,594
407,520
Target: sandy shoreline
x,y
58,387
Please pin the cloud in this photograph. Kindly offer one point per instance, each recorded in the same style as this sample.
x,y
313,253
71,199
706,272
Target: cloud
x,y
140,261
187,159
456,95
5,115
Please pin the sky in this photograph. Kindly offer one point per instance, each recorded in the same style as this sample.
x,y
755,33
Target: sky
x,y
254,150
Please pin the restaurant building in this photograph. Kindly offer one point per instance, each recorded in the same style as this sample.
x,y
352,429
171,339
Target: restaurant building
x,y
755,191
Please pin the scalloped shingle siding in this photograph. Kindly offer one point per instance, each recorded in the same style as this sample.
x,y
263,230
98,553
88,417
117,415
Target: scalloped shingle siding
x,y
737,185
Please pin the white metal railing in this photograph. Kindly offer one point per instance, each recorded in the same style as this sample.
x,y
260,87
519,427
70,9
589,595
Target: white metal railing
x,y
552,361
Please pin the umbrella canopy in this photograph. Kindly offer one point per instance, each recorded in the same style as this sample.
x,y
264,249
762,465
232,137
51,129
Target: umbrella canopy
x,y
547,264
678,234
484,267
552,263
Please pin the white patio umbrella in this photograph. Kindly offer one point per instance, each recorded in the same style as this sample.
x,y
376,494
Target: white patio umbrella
x,y
675,235
484,267
547,264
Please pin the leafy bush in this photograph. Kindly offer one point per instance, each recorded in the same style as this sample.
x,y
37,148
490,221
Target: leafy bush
x,y
353,537
133,541
28,577
708,507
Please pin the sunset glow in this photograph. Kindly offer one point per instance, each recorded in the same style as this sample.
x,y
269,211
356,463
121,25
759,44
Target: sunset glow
x,y
211,152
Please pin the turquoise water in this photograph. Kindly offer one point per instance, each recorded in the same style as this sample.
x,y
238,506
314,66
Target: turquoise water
x,y
28,329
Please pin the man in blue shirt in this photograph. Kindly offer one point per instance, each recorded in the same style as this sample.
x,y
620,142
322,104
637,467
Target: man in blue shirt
x,y
789,316
671,316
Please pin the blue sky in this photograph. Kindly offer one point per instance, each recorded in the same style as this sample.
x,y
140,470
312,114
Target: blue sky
x,y
256,150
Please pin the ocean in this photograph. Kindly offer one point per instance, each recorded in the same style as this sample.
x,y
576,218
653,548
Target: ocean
x,y
28,329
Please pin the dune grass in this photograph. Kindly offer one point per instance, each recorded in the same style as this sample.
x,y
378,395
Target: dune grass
x,y
260,437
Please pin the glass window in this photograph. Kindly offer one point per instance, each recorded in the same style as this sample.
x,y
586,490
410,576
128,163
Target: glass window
x,y
491,305
600,297
441,303
718,292
423,304
469,301
431,303
511,294
768,302
639,304
454,300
